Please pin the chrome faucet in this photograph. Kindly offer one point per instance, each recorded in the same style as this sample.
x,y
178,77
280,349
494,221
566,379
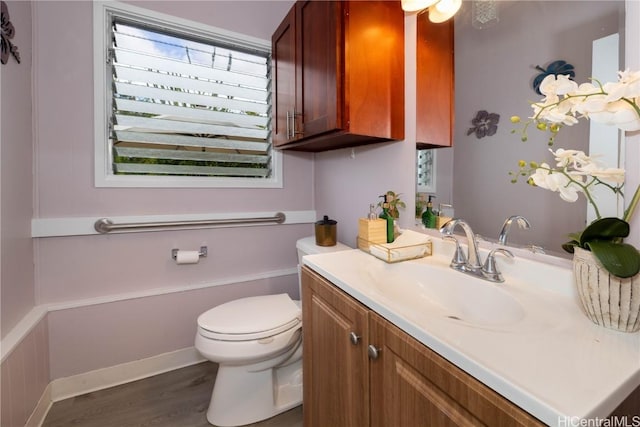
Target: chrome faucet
x,y
519,219
471,264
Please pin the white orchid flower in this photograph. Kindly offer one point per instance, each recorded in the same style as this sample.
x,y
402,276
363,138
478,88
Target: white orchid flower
x,y
574,158
614,175
552,110
610,104
627,86
565,102
555,115
588,98
619,114
558,182
557,85
583,164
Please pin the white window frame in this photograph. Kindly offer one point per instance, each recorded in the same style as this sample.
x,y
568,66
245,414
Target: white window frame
x,y
428,183
104,177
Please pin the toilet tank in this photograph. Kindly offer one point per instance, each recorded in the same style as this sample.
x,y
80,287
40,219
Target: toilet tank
x,y
307,246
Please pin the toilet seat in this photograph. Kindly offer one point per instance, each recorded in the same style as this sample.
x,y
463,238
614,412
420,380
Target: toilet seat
x,y
251,318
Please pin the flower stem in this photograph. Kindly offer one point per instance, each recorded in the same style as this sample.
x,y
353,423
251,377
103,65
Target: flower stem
x,y
628,214
585,188
587,193
633,105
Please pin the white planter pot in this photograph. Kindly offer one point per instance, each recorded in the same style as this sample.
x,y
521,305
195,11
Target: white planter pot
x,y
608,300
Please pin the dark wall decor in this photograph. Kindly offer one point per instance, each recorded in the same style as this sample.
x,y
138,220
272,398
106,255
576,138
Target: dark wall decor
x,y
7,31
484,124
555,68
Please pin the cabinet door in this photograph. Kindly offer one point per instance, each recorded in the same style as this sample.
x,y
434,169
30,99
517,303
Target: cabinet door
x,y
335,385
284,78
320,56
413,386
434,83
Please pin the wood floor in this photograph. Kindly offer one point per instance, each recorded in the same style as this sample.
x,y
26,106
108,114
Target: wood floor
x,y
178,398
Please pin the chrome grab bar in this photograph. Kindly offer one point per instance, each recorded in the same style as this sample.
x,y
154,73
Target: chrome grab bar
x,y
105,225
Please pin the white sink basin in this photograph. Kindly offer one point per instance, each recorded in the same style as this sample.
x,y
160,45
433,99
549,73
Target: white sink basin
x,y
526,338
427,290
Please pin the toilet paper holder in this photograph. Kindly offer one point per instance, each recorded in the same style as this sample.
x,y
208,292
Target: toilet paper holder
x,y
201,253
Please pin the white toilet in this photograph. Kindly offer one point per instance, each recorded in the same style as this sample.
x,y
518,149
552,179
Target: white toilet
x,y
257,342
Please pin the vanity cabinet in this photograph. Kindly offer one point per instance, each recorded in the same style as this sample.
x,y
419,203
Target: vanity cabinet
x,y
434,83
361,370
338,73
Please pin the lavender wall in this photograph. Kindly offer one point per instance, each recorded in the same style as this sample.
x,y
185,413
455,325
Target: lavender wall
x,y
78,274
345,186
63,80
347,181
25,375
494,71
25,370
71,270
17,182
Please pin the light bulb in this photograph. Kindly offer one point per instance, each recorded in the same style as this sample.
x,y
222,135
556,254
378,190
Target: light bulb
x,y
415,5
444,10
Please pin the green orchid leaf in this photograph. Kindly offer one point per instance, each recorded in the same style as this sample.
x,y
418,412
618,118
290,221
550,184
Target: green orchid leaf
x,y
570,245
620,259
604,229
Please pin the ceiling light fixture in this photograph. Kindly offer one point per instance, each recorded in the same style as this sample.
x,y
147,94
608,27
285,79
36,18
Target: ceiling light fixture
x,y
444,10
416,5
439,10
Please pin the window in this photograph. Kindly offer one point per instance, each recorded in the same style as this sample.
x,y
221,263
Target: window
x,y
426,171
180,104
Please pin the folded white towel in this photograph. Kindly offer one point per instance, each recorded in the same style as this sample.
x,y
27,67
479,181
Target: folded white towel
x,y
408,245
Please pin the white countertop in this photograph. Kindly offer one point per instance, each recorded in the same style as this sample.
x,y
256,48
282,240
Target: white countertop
x,y
553,361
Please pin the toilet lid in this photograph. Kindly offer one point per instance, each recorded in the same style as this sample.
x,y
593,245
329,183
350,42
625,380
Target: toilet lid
x,y
251,318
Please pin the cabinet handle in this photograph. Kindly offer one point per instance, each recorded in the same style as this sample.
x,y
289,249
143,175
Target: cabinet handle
x,y
373,351
288,125
294,131
355,339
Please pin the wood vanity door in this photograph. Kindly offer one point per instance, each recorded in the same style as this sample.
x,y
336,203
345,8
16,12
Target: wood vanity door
x,y
283,48
319,41
434,83
335,371
413,386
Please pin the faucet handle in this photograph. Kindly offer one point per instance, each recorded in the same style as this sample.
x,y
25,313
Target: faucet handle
x,y
459,259
489,269
536,249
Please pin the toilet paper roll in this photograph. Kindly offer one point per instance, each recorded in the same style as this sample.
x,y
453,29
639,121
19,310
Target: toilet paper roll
x,y
187,257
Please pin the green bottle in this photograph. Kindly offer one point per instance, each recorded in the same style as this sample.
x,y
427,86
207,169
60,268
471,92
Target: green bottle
x,y
387,216
429,216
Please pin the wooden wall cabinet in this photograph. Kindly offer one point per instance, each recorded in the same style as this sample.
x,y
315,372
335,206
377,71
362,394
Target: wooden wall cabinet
x,y
361,370
434,83
338,73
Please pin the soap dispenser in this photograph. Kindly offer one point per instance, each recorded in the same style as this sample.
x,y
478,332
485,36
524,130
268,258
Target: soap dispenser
x,y
429,216
387,216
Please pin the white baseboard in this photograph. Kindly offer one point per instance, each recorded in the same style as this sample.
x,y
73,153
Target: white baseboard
x,y
42,408
64,388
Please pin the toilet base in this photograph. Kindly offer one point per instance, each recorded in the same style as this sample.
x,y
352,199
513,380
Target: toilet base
x,y
241,396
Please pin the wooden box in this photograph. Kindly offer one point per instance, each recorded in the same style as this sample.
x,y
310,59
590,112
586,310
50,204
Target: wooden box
x,y
371,231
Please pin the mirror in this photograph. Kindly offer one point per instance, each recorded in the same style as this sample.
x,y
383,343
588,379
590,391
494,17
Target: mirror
x,y
495,67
